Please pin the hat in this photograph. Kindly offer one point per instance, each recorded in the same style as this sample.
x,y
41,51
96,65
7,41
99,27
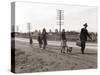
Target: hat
x,y
85,24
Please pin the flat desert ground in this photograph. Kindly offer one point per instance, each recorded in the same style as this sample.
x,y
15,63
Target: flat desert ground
x,y
30,58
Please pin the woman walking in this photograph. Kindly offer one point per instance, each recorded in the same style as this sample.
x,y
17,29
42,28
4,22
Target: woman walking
x,y
63,41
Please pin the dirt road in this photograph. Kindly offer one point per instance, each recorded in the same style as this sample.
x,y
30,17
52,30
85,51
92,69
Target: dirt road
x,y
29,58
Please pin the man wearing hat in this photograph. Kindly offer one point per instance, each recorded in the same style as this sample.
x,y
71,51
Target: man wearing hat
x,y
83,37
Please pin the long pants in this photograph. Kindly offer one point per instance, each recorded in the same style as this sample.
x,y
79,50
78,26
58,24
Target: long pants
x,y
83,46
44,44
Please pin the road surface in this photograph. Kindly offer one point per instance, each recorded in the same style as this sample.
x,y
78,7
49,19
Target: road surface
x,y
30,58
58,43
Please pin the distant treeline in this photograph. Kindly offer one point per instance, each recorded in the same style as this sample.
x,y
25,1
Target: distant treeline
x,y
55,36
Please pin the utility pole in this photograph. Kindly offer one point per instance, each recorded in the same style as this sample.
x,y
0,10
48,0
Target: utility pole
x,y
60,19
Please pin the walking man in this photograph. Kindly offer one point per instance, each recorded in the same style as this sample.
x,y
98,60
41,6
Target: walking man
x,y
83,37
44,38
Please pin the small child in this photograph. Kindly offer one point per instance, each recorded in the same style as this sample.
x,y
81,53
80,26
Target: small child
x,y
31,41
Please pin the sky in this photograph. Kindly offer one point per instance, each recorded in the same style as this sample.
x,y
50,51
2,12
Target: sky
x,y
42,15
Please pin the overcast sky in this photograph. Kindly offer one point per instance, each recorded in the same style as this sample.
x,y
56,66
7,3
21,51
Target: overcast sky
x,y
42,15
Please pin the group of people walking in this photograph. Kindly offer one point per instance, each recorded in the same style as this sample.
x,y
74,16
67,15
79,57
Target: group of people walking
x,y
42,39
83,38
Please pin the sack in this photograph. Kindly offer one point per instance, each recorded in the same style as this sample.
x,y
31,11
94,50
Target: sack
x,y
78,43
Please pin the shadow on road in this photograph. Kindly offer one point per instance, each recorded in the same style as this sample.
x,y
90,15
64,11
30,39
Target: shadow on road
x,y
84,53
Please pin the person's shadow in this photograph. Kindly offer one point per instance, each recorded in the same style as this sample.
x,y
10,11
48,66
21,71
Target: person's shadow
x,y
91,53
86,53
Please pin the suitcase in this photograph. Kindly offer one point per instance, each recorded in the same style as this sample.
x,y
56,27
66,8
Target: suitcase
x,y
78,43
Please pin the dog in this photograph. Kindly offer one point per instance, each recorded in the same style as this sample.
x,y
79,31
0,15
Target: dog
x,y
65,47
69,49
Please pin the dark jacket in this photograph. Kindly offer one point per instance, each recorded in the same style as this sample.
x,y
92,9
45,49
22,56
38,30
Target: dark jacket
x,y
83,35
44,37
40,39
63,36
